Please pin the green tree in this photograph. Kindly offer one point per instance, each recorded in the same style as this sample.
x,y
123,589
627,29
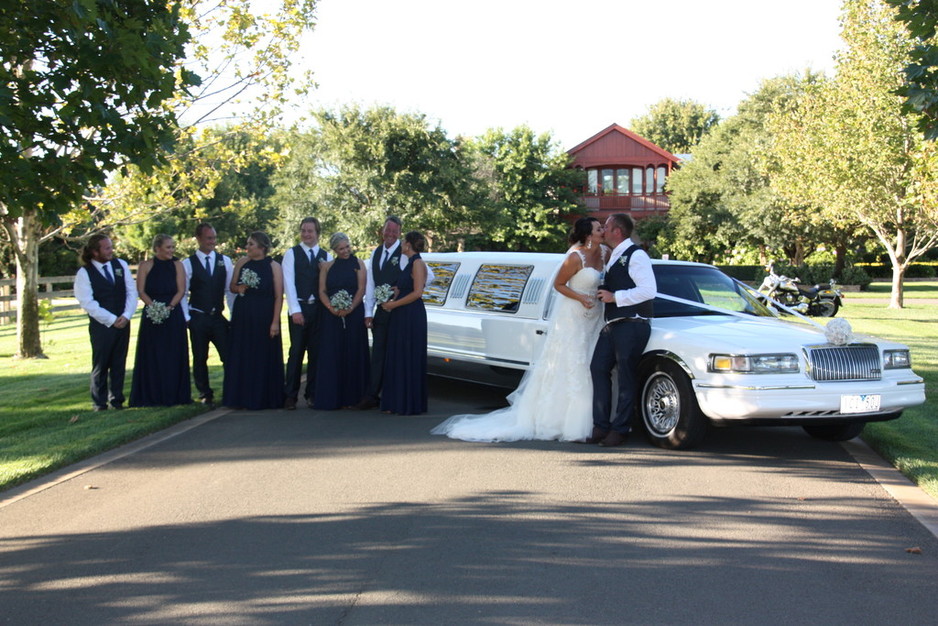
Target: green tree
x,y
83,92
248,59
529,189
675,125
236,203
721,199
920,89
850,150
358,166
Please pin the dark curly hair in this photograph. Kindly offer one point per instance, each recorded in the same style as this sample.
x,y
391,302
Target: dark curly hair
x,y
582,229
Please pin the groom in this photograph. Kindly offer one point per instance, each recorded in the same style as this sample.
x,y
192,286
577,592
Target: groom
x,y
627,291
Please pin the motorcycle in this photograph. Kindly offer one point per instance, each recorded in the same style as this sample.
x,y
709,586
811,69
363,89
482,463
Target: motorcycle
x,y
821,300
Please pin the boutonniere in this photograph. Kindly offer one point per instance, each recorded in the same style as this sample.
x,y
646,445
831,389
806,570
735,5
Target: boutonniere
x,y
219,262
396,260
623,261
118,271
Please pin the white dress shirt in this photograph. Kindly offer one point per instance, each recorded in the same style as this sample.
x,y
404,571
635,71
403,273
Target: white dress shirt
x,y
229,271
289,278
370,282
640,271
85,294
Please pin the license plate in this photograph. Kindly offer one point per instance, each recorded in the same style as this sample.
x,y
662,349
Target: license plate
x,y
865,403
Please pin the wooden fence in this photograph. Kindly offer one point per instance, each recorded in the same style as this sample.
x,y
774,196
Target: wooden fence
x,y
47,291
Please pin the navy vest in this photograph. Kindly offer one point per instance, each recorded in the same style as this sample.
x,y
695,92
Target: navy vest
x,y
207,293
112,298
388,274
617,278
306,274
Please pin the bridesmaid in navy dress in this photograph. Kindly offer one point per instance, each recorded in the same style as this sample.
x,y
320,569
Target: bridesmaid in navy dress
x,y
405,364
161,366
254,368
342,370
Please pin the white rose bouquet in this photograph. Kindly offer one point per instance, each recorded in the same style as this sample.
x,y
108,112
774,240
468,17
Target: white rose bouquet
x,y
341,301
158,312
383,293
250,278
838,332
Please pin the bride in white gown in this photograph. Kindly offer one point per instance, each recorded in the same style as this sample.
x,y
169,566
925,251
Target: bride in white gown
x,y
554,398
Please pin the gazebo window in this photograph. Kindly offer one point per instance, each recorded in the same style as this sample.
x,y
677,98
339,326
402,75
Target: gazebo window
x,y
660,178
622,181
637,181
609,181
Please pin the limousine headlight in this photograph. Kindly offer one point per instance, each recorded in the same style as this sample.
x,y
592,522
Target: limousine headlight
x,y
897,359
754,363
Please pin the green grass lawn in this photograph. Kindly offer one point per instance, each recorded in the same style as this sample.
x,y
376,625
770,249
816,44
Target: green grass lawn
x,y
46,420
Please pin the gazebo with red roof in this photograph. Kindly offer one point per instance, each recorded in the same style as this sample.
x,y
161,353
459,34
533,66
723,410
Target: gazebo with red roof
x,y
624,172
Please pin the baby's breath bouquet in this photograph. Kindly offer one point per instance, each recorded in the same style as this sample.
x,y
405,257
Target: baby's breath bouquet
x,y
158,312
383,293
250,278
341,301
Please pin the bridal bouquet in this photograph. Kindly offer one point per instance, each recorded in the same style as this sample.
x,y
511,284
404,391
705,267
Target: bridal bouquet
x,y
158,312
383,293
250,278
341,301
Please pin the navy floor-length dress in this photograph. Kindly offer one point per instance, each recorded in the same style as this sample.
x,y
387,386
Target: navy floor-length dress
x,y
254,369
342,370
405,364
161,365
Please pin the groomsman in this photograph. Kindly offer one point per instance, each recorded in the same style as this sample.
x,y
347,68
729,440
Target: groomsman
x,y
208,277
107,292
300,286
384,267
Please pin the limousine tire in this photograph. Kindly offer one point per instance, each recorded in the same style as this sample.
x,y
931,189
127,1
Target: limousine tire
x,y
835,432
669,409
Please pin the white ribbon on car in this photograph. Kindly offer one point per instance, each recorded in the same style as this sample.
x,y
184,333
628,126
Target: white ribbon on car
x,y
837,331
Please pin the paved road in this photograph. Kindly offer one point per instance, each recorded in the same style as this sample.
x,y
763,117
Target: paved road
x,y
360,518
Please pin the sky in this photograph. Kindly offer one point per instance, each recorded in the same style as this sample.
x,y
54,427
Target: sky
x,y
569,68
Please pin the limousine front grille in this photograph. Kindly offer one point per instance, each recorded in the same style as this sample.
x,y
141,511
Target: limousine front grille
x,y
844,363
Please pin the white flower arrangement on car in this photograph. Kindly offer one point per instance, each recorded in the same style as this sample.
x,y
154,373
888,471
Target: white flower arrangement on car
x,y
158,312
383,293
838,332
341,301
250,278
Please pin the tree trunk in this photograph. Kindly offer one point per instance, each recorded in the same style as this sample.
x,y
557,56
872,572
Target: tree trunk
x,y
840,260
26,248
898,276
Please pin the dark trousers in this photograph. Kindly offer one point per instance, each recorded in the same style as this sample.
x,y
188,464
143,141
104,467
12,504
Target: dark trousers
x,y
108,363
620,344
304,340
203,330
379,348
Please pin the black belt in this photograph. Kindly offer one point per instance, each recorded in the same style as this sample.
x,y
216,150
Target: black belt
x,y
212,312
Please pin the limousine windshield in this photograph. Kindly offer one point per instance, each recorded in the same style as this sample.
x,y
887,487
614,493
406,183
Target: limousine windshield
x,y
698,283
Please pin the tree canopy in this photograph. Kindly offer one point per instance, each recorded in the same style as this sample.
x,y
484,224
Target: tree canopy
x,y
675,125
849,149
83,91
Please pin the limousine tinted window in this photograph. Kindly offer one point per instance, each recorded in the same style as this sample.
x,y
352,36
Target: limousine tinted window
x,y
701,284
435,293
498,287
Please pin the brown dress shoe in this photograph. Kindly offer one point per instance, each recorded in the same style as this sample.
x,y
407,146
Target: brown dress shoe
x,y
613,439
366,403
290,404
597,435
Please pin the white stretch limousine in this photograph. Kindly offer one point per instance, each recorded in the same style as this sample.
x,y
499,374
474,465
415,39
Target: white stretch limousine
x,y
716,354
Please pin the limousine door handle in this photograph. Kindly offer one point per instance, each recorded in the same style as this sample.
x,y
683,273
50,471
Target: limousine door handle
x,y
541,332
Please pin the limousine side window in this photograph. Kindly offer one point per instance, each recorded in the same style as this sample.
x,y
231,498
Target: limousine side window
x,y
435,293
498,287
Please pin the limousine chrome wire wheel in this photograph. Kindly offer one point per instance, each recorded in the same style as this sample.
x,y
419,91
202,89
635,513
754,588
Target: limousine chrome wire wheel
x,y
669,408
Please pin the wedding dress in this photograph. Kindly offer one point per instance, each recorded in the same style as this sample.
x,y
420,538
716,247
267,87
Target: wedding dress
x,y
555,397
